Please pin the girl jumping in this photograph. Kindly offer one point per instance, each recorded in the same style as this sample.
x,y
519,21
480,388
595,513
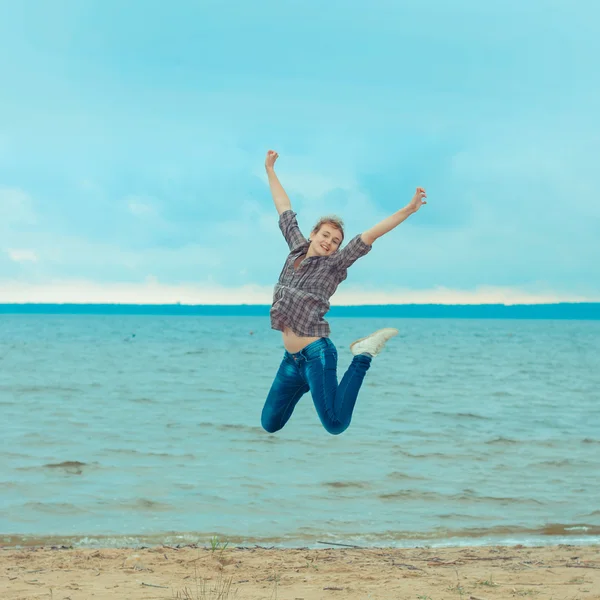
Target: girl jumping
x,y
312,272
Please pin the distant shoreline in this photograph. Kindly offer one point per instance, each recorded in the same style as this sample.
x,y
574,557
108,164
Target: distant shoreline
x,y
561,311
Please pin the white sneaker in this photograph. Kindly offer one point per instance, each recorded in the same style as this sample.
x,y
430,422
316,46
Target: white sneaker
x,y
373,344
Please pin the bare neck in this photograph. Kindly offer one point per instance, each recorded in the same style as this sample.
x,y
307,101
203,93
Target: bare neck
x,y
310,252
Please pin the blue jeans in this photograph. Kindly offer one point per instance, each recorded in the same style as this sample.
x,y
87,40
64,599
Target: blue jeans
x,y
314,368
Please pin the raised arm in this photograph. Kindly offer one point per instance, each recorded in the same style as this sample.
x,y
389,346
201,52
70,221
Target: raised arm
x,y
287,217
369,236
280,198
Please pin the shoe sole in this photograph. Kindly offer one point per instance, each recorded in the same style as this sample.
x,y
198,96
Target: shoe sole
x,y
375,333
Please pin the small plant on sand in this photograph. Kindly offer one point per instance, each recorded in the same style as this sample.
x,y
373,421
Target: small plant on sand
x,y
488,582
424,597
204,590
217,547
459,589
311,563
217,544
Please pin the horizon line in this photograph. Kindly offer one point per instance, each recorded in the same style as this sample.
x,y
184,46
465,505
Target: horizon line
x,y
258,304
572,311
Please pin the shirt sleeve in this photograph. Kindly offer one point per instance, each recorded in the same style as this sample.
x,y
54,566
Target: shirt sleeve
x,y
351,252
291,232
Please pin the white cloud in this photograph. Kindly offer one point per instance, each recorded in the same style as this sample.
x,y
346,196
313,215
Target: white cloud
x,y
151,291
443,295
22,255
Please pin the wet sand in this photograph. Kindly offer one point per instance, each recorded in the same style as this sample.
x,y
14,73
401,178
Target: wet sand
x,y
558,572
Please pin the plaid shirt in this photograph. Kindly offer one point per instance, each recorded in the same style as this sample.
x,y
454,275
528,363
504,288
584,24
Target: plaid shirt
x,y
301,296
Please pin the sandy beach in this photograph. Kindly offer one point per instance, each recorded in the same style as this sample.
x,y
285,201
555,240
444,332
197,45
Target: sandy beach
x,y
569,572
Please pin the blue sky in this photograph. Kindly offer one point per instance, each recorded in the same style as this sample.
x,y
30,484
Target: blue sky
x,y
133,135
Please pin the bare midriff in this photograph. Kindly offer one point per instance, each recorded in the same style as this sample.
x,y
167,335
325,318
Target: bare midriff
x,y
294,343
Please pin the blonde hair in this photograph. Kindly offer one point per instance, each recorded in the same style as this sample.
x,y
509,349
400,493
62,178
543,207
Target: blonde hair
x,y
332,220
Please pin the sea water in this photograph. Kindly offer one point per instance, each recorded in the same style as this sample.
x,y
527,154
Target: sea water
x,y
120,430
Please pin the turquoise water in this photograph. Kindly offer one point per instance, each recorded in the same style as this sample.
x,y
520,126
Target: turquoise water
x,y
144,429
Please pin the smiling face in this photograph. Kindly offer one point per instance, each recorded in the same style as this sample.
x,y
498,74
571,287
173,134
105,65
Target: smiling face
x,y
325,240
